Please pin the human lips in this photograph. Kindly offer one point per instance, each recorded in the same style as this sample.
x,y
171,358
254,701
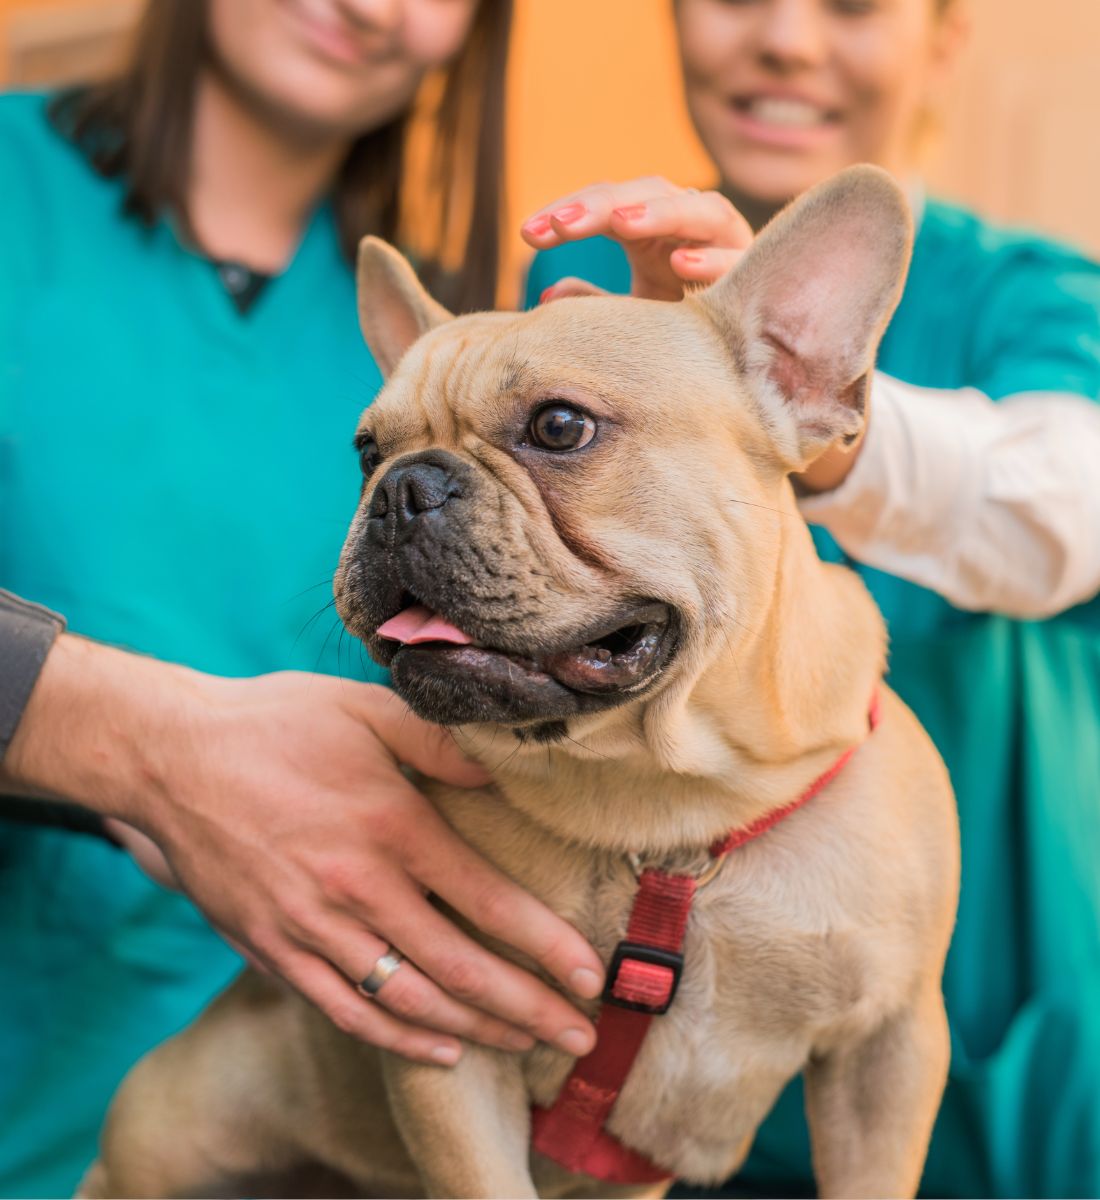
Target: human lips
x,y
783,119
326,33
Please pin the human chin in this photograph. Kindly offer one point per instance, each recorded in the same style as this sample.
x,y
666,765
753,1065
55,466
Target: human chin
x,y
774,178
324,102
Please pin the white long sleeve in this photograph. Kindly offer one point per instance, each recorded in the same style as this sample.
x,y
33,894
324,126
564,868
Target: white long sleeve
x,y
996,506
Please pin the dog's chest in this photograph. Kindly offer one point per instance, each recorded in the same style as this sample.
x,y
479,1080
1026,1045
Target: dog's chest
x,y
762,985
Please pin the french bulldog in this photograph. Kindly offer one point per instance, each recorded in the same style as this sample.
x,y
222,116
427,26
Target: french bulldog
x,y
578,546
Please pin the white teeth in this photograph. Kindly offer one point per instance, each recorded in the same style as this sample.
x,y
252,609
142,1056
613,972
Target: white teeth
x,y
795,113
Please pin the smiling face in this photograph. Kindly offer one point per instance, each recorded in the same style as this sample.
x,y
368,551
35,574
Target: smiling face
x,y
784,93
334,67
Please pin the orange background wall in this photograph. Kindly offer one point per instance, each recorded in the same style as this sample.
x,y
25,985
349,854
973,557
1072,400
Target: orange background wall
x,y
594,94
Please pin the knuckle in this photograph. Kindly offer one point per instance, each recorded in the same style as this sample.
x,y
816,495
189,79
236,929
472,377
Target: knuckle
x,y
463,978
296,918
406,999
342,884
348,1018
262,942
603,194
494,908
550,949
387,823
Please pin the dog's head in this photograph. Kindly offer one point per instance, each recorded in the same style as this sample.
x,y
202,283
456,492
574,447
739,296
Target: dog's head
x,y
565,509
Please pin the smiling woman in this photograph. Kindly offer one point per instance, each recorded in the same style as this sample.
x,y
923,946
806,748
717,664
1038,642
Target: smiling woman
x,y
340,96
773,131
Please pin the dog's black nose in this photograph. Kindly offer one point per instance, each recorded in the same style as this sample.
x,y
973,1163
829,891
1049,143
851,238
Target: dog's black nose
x,y
408,492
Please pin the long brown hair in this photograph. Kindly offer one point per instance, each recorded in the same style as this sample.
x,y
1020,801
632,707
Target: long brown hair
x,y
137,126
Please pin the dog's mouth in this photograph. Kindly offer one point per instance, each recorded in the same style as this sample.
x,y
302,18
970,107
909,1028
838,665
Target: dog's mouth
x,y
617,656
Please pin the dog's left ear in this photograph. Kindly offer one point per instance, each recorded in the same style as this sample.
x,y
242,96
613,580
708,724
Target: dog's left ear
x,y
394,308
804,309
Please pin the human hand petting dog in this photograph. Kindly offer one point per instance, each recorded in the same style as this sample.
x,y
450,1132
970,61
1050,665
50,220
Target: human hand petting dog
x,y
279,806
673,237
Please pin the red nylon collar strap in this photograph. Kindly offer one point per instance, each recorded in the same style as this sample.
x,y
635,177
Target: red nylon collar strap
x,y
641,983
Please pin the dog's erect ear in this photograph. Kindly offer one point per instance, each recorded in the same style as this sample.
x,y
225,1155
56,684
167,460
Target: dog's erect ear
x,y
394,308
804,309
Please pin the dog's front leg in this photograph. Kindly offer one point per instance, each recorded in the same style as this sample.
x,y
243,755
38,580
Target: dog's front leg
x,y
467,1127
871,1106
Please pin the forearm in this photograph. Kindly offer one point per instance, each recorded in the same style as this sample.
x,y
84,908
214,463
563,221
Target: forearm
x,y
990,504
94,729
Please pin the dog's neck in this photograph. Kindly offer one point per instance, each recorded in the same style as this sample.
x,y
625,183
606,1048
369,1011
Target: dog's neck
x,y
747,732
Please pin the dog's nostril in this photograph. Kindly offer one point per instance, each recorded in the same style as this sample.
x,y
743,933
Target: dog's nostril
x,y
423,488
379,503
408,492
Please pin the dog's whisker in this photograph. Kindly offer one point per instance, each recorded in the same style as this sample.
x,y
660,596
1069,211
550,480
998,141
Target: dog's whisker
x,y
501,765
339,651
312,588
586,749
754,504
337,624
311,621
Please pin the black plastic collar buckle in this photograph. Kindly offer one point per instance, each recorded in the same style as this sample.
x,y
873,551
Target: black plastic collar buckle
x,y
634,951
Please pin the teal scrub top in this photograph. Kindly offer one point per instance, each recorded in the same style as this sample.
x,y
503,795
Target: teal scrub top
x,y
177,479
1014,707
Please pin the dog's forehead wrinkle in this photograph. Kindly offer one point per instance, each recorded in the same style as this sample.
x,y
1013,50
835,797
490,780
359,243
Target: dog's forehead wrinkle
x,y
588,338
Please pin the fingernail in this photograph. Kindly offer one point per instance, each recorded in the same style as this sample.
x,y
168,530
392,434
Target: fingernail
x,y
568,213
447,1055
585,982
574,1041
631,212
689,256
537,225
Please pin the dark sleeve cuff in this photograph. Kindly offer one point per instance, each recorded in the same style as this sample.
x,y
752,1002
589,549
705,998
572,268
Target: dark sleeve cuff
x,y
27,632
54,815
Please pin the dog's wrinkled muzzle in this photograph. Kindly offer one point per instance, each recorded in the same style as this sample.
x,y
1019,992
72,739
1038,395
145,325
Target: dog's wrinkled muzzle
x,y
436,599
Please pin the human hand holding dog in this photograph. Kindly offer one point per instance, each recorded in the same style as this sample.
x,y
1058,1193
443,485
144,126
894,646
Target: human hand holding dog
x,y
673,237
279,805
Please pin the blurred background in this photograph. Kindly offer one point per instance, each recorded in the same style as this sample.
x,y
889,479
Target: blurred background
x,y
1021,143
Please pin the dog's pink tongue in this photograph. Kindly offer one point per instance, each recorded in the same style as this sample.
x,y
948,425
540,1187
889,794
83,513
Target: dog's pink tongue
x,y
420,624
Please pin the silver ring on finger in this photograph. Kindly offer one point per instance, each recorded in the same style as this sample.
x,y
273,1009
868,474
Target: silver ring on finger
x,y
385,967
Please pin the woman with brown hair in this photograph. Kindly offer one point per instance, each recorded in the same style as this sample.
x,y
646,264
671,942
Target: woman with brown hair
x,y
180,374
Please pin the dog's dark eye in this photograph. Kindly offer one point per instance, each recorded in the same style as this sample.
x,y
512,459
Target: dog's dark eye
x,y
369,457
562,427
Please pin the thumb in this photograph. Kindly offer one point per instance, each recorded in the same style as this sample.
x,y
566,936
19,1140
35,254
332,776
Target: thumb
x,y
430,748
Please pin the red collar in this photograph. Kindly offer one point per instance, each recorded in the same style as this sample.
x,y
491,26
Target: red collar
x,y
641,983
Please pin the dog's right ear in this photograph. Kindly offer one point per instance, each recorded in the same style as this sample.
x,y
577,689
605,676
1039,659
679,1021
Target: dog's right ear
x,y
394,308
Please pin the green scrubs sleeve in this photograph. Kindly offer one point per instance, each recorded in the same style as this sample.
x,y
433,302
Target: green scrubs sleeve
x,y
1038,329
